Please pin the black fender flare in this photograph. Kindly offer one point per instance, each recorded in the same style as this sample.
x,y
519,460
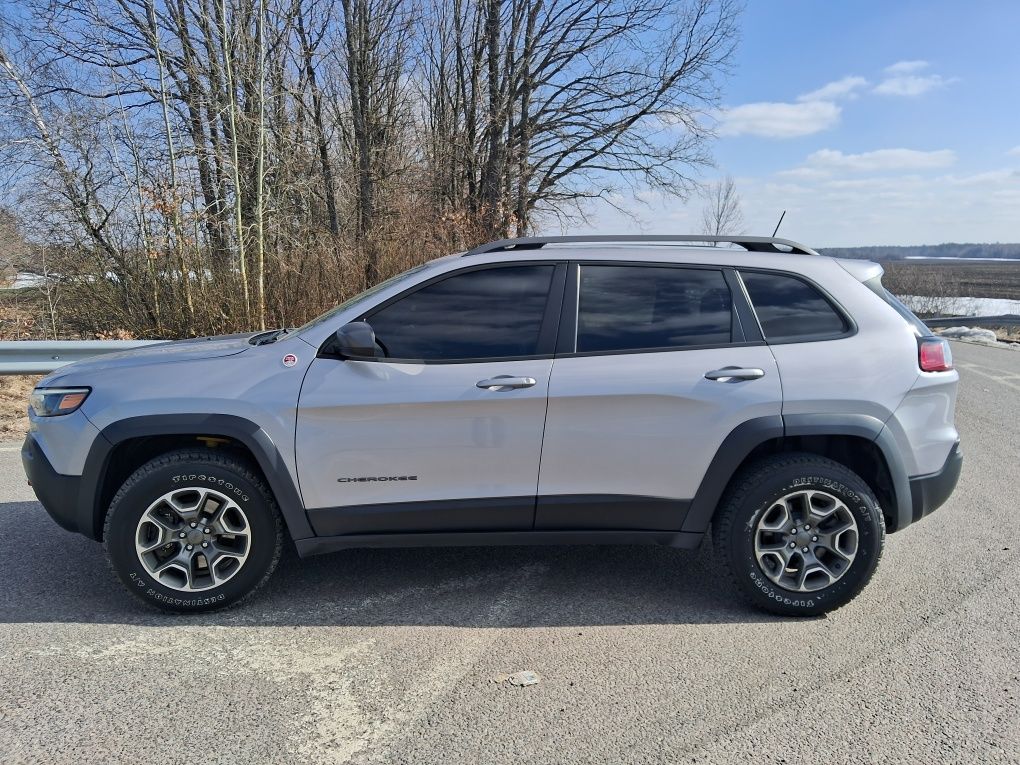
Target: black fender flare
x,y
246,432
740,442
747,436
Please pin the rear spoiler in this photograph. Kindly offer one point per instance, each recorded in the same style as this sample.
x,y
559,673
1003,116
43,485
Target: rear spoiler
x,y
861,270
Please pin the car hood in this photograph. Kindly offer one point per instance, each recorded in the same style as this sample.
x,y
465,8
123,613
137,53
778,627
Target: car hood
x,y
157,353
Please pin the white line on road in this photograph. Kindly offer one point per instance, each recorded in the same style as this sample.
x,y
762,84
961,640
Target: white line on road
x,y
998,377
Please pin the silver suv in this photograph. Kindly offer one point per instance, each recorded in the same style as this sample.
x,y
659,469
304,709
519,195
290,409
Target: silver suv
x,y
558,390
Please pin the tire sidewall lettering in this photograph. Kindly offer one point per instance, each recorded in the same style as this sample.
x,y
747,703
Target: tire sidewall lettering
x,y
221,483
140,580
783,596
234,485
858,505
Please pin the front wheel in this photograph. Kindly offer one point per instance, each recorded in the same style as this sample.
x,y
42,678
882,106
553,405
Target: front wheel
x,y
193,531
799,534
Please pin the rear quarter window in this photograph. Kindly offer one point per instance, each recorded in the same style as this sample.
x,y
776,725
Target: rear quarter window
x,y
876,286
789,309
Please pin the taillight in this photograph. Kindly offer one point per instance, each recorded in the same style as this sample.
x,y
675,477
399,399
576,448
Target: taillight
x,y
934,354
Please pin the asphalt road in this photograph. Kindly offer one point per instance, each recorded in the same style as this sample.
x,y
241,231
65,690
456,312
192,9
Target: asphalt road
x,y
389,655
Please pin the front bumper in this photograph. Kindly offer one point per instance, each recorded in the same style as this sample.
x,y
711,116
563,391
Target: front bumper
x,y
929,492
57,493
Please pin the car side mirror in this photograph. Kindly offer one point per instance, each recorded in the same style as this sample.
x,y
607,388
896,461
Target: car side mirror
x,y
356,340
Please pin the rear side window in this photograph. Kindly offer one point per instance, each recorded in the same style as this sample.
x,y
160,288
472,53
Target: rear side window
x,y
876,286
485,314
631,308
791,309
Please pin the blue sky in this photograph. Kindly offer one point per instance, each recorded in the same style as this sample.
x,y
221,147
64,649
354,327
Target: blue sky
x,y
871,122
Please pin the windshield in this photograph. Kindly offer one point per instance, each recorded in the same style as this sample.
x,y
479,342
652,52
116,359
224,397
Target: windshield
x,y
362,296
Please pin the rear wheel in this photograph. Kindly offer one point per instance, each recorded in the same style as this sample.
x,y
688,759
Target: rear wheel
x,y
799,534
193,531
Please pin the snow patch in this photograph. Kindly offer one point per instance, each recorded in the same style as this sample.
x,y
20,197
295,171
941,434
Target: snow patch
x,y
971,334
964,306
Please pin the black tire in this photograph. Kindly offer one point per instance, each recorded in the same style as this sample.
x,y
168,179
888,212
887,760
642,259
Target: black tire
x,y
754,492
203,468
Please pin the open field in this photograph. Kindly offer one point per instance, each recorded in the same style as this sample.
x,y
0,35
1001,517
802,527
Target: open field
x,y
954,278
390,656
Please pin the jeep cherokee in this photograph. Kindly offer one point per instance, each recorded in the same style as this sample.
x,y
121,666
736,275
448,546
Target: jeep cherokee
x,y
556,390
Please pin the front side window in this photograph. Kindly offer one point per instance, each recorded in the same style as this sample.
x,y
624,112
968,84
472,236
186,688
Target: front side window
x,y
791,309
632,308
363,296
485,314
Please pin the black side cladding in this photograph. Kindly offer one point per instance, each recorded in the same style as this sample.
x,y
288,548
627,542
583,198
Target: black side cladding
x,y
930,492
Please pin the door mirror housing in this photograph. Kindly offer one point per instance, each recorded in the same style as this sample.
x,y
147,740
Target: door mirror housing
x,y
356,340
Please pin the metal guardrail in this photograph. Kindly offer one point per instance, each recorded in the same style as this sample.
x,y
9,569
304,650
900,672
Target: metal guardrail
x,y
1005,320
37,357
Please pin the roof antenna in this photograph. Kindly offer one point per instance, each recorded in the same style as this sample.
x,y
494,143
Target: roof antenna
x,y
780,223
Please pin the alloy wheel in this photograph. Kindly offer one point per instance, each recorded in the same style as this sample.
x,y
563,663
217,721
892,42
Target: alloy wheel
x,y
806,540
193,539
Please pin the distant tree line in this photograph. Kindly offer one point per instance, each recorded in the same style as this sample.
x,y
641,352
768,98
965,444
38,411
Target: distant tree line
x,y
195,166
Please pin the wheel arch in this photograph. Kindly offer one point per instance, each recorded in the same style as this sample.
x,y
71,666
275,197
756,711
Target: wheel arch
x,y
859,442
125,445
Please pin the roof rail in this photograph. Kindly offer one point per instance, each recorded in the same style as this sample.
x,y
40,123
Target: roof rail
x,y
749,243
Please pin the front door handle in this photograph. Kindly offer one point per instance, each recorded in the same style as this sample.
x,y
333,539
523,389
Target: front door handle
x,y
734,374
505,382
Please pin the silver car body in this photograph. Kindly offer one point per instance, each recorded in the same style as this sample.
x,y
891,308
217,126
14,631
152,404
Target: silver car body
x,y
608,426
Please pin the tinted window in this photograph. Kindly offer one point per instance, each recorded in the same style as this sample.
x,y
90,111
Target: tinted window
x,y
637,307
876,286
353,301
491,313
789,308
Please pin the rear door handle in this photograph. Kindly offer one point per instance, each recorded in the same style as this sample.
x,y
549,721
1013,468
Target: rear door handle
x,y
733,374
505,382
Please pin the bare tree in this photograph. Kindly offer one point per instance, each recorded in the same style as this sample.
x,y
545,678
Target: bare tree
x,y
14,249
554,102
311,25
377,36
722,214
202,166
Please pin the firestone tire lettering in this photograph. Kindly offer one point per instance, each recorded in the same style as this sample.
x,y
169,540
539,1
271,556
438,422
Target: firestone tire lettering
x,y
218,482
228,476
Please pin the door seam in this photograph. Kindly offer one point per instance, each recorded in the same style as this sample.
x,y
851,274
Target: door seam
x,y
541,446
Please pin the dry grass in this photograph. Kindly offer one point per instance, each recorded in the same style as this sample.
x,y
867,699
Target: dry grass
x,y
954,278
13,405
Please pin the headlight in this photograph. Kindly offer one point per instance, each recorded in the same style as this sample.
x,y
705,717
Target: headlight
x,y
47,402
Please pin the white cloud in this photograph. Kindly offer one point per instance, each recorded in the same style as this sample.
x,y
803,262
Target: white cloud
x,y
1014,152
907,67
877,185
988,177
779,120
882,159
904,79
804,173
844,88
912,86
